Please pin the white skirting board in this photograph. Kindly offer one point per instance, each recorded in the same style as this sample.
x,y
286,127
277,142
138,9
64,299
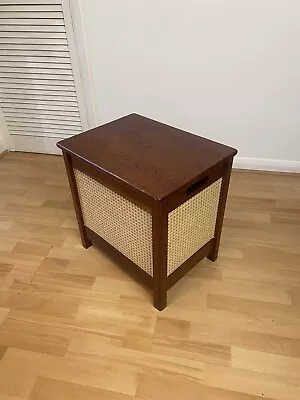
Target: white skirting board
x,y
265,164
34,144
40,145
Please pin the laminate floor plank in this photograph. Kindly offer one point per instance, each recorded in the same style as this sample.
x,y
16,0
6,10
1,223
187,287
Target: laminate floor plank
x,y
74,325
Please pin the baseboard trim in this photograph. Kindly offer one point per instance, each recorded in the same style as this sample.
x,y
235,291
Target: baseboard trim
x,y
3,150
260,164
2,153
265,164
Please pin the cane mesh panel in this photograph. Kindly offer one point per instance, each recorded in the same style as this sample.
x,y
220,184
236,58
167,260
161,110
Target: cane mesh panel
x,y
192,225
117,220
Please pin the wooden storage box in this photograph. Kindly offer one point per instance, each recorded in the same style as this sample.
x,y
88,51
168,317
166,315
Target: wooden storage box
x,y
150,194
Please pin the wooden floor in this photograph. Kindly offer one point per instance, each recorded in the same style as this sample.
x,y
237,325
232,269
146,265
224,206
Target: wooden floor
x,y
73,325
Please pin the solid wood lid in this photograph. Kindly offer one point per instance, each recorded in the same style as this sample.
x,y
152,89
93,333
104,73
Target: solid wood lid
x,y
152,157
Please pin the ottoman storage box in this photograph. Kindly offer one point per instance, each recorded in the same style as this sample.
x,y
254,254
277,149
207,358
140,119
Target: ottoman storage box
x,y
151,195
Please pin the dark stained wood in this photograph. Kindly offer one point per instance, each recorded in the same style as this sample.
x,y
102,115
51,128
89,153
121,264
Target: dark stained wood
x,y
154,158
221,210
190,263
159,247
184,194
157,167
132,269
86,243
139,198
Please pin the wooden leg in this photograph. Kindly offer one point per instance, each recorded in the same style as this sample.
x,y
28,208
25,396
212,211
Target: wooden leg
x,y
159,239
213,255
86,243
159,297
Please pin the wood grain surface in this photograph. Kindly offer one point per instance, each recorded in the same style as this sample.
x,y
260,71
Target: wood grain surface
x,y
74,325
154,158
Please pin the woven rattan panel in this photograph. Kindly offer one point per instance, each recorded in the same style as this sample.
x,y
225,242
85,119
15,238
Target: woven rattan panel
x,y
192,225
117,220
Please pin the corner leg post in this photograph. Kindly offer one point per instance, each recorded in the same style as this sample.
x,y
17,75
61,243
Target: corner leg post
x,y
86,243
221,210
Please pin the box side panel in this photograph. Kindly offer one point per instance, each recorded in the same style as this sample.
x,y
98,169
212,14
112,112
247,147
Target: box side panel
x,y
117,220
192,225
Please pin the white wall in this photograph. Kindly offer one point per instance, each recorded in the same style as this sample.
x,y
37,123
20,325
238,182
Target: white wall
x,y
226,69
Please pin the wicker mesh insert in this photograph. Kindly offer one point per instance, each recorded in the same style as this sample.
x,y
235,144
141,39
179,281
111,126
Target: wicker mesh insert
x,y
128,227
120,222
192,225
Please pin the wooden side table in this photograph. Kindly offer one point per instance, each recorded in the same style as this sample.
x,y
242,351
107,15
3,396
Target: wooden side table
x,y
151,195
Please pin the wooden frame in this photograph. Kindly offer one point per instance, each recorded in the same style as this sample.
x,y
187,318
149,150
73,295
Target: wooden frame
x,y
82,94
42,142
160,241
78,52
160,282
157,168
5,138
213,255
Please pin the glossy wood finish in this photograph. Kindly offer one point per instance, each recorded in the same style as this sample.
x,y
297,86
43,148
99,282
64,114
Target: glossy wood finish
x,y
74,326
86,243
221,211
157,167
130,193
152,157
184,194
159,240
